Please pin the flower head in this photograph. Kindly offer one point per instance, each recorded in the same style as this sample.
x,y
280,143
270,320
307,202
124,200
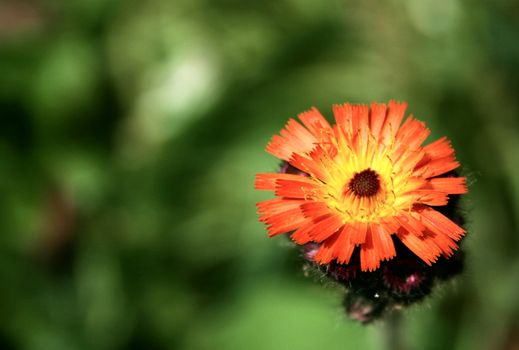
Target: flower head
x,y
361,183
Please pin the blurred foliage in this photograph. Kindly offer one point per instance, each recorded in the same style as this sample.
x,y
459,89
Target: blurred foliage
x,y
130,133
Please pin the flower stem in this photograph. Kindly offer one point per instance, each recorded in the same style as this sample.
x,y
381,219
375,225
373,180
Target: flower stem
x,y
394,336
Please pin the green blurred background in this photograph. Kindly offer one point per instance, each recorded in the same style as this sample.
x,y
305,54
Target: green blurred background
x,y
130,133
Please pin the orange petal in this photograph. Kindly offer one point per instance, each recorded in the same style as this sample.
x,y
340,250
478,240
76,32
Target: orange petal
x,y
315,122
268,181
301,235
300,134
408,161
377,118
411,224
412,133
390,224
287,215
294,188
280,227
360,121
431,197
294,139
409,139
344,247
343,115
424,247
439,223
436,167
438,154
314,209
325,254
446,245
450,185
440,148
358,232
308,165
283,222
382,242
325,228
395,114
278,205
369,258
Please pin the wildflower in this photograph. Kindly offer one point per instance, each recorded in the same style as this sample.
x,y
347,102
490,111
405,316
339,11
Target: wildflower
x,y
357,187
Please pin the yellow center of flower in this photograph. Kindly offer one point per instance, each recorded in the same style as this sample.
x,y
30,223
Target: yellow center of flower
x,y
364,184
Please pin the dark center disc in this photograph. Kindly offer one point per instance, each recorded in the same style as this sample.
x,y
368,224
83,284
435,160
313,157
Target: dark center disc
x,y
365,183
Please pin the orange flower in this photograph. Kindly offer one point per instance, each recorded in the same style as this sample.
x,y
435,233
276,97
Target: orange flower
x,y
362,181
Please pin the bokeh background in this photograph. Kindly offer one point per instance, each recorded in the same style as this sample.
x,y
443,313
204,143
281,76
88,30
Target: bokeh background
x,y
130,133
